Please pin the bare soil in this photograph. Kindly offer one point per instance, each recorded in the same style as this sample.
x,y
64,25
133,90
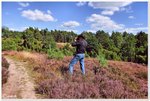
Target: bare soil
x,y
19,84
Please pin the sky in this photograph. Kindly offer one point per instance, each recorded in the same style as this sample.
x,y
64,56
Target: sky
x,y
77,16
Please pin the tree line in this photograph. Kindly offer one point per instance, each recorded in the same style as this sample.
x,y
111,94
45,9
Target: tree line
x,y
117,46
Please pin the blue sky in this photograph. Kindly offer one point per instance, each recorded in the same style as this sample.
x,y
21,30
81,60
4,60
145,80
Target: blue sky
x,y
76,16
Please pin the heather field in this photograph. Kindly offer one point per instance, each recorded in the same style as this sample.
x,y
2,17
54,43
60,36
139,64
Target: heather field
x,y
117,80
111,37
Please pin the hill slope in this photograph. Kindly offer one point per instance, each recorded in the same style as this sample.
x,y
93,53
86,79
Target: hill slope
x,y
118,80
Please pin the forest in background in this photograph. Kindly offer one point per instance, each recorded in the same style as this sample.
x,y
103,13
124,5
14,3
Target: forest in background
x,y
47,54
117,46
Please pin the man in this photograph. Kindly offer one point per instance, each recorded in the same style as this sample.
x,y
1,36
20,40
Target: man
x,y
80,45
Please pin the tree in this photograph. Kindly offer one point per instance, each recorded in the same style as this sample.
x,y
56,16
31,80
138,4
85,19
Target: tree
x,y
28,37
103,39
37,34
93,44
47,41
5,32
128,48
142,48
63,36
117,39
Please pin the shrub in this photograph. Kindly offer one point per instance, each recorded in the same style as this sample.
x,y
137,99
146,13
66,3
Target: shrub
x,y
55,54
141,59
112,89
53,81
66,89
110,55
87,55
9,44
101,58
67,50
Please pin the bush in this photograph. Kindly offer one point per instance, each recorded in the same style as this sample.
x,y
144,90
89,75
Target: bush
x,y
101,58
87,55
67,50
110,55
113,89
53,80
141,59
66,89
55,54
9,44
91,51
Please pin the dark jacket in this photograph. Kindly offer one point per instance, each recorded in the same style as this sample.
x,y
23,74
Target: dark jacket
x,y
80,46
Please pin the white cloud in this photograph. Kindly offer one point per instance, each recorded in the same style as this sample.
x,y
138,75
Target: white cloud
x,y
107,12
138,24
123,9
109,7
100,22
12,29
23,4
135,30
93,31
81,3
18,29
126,9
49,12
75,31
71,24
68,30
131,17
37,15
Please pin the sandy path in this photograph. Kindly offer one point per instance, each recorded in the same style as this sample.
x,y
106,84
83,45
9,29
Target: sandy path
x,y
19,84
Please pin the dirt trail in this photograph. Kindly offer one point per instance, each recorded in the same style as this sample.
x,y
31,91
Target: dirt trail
x,y
19,84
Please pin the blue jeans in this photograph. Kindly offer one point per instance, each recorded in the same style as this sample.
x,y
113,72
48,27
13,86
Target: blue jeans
x,y
76,58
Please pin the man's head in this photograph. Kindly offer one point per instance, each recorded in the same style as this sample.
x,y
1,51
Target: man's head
x,y
80,37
